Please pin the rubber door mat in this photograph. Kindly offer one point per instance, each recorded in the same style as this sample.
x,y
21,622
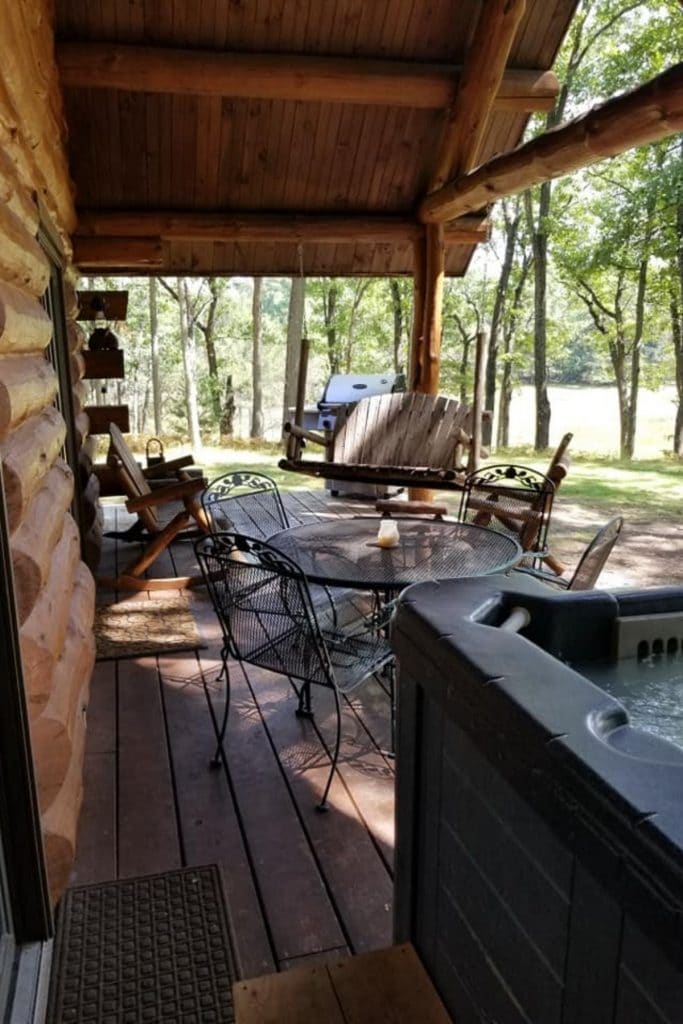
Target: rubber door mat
x,y
142,950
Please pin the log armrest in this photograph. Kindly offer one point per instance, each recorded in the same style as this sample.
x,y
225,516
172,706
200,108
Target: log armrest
x,y
168,466
411,508
306,435
174,492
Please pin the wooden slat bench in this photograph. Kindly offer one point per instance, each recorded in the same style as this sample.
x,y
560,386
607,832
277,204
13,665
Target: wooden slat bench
x,y
405,439
388,986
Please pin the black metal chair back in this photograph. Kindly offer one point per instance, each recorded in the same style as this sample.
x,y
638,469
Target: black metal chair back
x,y
264,607
593,560
248,503
513,499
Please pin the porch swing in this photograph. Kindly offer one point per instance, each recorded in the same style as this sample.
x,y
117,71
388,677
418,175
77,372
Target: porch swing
x,y
404,439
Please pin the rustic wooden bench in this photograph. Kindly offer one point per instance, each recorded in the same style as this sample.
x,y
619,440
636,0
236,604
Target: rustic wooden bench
x,y
405,439
388,985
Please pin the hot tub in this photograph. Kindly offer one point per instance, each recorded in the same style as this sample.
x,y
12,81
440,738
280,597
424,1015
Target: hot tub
x,y
539,822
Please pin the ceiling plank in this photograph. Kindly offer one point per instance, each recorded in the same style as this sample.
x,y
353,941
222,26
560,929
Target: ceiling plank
x,y
479,84
117,225
651,112
91,65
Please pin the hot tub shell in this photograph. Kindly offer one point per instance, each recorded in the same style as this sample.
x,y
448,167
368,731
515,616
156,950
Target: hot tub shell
x,y
539,864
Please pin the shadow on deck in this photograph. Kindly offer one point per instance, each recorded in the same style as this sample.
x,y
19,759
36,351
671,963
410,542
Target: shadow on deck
x,y
300,885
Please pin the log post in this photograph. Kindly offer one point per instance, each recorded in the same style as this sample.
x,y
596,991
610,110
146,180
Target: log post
x,y
419,270
293,443
425,360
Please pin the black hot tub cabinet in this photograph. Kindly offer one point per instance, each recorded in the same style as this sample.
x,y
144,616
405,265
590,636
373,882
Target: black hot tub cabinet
x,y
539,865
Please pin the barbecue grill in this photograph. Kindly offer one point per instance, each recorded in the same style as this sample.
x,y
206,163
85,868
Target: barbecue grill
x,y
341,392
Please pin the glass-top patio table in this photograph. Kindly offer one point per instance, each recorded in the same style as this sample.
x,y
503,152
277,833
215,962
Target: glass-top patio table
x,y
345,553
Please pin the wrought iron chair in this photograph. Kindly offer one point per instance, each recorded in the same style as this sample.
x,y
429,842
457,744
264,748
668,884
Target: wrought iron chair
x,y
250,504
514,499
268,619
591,563
245,502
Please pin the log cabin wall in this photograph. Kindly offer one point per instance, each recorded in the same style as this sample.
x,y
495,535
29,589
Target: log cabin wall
x,y
54,589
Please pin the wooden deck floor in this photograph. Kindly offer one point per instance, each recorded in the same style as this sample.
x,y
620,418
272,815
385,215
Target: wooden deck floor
x,y
300,885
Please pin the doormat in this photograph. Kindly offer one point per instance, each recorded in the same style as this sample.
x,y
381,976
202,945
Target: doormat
x,y
152,949
131,629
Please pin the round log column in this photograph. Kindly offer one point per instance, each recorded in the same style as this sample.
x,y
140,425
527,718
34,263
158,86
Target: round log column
x,y
425,354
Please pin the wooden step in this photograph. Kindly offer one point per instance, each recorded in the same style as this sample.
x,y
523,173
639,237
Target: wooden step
x,y
387,985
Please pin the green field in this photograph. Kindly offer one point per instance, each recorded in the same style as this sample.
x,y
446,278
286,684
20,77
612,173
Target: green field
x,y
592,415
644,489
649,488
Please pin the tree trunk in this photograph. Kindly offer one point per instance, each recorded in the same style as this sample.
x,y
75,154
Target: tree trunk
x,y
676,314
187,340
397,308
295,327
154,342
509,330
208,330
227,420
619,366
329,312
256,364
676,307
634,382
359,291
539,243
511,231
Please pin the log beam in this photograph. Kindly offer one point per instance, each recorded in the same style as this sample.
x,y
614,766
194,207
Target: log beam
x,y
118,253
651,112
91,65
478,86
121,225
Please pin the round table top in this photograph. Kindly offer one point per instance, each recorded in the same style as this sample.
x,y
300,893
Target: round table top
x,y
345,553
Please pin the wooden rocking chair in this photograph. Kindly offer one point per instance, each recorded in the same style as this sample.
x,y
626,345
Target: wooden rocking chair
x,y
146,503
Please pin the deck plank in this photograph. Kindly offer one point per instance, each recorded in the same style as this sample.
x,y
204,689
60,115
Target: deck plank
x,y
208,820
96,841
389,985
290,998
148,838
302,919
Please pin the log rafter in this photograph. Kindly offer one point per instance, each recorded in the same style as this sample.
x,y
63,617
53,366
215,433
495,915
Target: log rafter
x,y
479,84
264,227
92,65
651,112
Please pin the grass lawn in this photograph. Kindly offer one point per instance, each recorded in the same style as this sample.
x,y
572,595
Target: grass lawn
x,y
643,489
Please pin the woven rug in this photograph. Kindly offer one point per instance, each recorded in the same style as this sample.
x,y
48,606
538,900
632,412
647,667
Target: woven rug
x,y
151,949
131,629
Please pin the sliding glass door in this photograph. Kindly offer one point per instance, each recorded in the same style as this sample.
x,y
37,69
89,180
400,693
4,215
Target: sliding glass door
x,y
7,943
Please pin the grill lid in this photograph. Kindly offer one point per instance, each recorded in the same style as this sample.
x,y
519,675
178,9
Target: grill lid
x,y
351,387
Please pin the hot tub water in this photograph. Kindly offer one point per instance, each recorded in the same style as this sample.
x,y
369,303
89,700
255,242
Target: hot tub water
x,y
650,690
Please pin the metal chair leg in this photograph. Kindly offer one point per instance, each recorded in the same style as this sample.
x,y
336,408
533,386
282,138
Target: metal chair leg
x,y
217,758
304,708
323,805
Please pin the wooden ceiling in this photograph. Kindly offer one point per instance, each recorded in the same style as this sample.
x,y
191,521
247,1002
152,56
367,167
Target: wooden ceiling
x,y
197,130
